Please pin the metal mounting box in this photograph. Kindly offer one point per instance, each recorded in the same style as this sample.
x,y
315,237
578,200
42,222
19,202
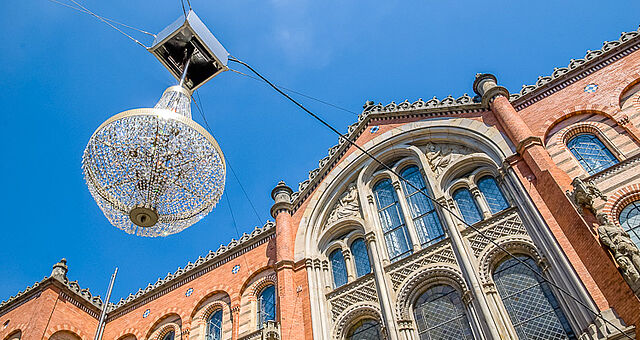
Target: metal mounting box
x,y
172,45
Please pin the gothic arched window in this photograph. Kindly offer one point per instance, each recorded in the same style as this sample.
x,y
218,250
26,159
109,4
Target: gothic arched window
x,y
214,326
169,336
533,309
425,217
467,206
395,230
440,314
366,329
266,305
591,153
492,194
630,221
360,257
338,267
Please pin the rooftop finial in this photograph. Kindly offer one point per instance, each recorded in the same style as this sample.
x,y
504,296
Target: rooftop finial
x,y
60,270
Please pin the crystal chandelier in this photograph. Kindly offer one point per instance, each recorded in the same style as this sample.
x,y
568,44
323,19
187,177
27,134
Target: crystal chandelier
x,y
154,171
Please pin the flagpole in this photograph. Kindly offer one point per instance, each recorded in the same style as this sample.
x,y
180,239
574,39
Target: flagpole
x,y
104,308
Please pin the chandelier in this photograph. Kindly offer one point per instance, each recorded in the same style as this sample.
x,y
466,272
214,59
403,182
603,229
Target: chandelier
x,y
155,171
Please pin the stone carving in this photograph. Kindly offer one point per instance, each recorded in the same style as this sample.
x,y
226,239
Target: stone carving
x,y
440,156
623,249
584,194
348,205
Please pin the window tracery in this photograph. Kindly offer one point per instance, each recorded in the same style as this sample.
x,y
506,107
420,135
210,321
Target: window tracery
x,y
533,309
392,220
492,194
214,326
338,268
425,218
591,153
361,257
266,305
366,329
629,219
440,314
467,206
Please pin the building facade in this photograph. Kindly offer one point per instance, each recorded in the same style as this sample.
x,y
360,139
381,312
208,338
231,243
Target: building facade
x,y
499,216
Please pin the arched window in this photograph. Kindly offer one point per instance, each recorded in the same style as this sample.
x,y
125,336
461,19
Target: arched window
x,y
338,268
532,307
214,326
266,305
360,257
169,336
392,220
492,194
440,314
591,152
467,206
425,217
630,221
364,330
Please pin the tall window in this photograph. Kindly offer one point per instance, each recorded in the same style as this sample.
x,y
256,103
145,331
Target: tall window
x,y
364,330
532,307
492,194
169,336
214,326
266,305
393,225
630,221
467,206
439,314
591,153
360,257
338,267
425,217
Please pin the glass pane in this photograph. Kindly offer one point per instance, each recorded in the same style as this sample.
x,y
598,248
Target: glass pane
x,y
339,268
267,305
492,194
532,307
392,220
429,228
365,330
169,336
361,257
467,206
413,175
214,326
591,153
440,314
630,221
425,218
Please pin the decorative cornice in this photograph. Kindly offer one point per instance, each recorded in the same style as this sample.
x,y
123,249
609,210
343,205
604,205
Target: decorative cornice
x,y
192,270
610,52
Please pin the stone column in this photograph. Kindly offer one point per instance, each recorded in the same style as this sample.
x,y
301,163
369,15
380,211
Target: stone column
x,y
350,266
315,293
383,289
495,303
464,258
405,327
480,201
285,231
323,288
235,315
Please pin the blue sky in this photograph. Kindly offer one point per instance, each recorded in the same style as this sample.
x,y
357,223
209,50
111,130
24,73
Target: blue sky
x,y
63,73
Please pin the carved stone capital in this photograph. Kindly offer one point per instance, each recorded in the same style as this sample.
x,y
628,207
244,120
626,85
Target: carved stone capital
x,y
489,288
396,185
346,253
467,297
370,199
370,237
308,263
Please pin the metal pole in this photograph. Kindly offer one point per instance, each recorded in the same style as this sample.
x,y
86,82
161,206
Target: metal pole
x,y
104,308
187,56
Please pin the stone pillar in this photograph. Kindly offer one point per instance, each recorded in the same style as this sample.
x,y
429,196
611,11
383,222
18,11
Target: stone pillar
x,y
285,231
315,293
322,271
405,328
235,315
480,201
349,264
466,262
383,289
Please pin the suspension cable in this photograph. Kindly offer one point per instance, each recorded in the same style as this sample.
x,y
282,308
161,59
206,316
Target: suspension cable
x,y
442,206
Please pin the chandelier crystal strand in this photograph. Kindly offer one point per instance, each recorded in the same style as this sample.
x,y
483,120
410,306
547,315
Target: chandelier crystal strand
x,y
154,172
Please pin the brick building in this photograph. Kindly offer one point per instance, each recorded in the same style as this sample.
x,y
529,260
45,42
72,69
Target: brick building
x,y
548,174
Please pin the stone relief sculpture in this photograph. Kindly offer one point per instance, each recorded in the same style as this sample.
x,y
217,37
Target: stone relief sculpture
x,y
623,249
347,205
440,156
584,194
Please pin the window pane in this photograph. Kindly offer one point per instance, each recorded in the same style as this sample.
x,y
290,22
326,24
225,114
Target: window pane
x,y
425,218
365,330
467,206
440,314
492,194
591,153
361,257
214,326
267,305
339,268
392,221
532,307
169,336
630,221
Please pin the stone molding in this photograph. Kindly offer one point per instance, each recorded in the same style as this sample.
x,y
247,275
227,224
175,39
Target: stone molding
x,y
491,255
354,313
